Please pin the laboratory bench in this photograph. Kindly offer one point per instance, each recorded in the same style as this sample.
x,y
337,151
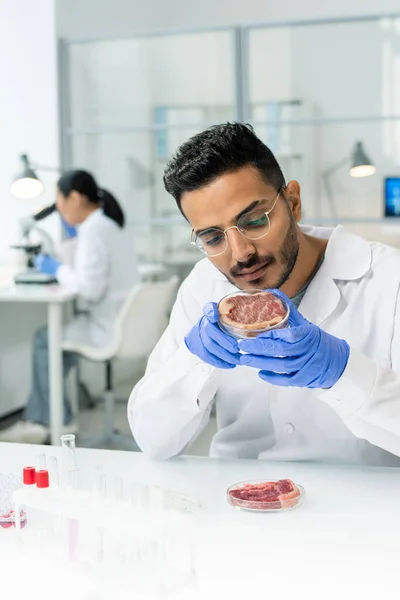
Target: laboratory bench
x,y
53,298
342,541
23,309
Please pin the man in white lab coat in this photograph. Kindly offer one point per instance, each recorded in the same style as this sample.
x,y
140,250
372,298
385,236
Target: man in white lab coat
x,y
328,387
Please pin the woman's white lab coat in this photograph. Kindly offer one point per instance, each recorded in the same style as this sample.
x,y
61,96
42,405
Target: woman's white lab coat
x,y
355,296
104,270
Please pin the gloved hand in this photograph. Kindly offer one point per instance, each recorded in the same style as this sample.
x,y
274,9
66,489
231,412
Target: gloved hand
x,y
301,355
70,230
46,264
207,341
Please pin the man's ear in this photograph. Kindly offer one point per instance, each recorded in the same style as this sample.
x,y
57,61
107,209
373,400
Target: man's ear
x,y
293,196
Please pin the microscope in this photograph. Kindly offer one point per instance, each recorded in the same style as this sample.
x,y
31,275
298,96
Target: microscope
x,y
46,246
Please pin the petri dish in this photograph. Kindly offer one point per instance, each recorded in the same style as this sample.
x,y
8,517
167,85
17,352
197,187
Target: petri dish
x,y
7,519
247,313
261,495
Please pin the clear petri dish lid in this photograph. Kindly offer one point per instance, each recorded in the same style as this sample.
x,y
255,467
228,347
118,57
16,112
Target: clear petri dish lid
x,y
262,495
259,311
9,483
7,519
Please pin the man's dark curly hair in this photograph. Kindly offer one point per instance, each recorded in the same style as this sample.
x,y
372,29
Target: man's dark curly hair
x,y
218,150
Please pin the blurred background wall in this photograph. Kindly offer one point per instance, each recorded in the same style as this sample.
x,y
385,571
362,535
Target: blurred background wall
x,y
313,79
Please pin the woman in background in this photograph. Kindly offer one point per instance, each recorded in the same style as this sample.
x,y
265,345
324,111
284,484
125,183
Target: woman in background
x,y
101,272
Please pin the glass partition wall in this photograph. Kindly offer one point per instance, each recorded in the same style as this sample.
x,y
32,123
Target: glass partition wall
x,y
314,91
128,106
311,91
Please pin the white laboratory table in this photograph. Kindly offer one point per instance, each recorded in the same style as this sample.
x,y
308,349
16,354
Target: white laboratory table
x,y
182,262
151,271
343,542
54,297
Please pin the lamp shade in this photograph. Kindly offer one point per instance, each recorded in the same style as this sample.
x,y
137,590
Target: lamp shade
x,y
26,184
361,165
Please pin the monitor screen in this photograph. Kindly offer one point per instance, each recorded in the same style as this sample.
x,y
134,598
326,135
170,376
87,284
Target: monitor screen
x,y
392,197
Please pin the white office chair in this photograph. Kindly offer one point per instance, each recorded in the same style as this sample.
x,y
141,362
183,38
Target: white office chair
x,y
138,327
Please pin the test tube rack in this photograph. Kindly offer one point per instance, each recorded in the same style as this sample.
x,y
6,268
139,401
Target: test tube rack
x,y
144,539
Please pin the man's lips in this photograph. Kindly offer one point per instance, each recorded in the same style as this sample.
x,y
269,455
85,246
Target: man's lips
x,y
254,273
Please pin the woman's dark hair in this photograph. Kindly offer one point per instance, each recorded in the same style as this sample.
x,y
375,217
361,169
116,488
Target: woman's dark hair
x,y
218,150
84,183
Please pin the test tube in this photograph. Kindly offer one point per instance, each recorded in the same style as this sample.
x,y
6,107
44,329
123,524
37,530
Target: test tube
x,y
100,482
139,495
73,524
68,456
144,496
41,462
118,489
53,471
134,495
73,478
100,490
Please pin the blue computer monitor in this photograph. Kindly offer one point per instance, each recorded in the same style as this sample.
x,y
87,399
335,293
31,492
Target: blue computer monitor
x,y
392,197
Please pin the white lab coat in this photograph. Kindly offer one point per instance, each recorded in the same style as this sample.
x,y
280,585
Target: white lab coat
x,y
355,296
103,272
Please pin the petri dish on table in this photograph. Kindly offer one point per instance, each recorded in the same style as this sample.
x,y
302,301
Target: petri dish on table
x,y
261,495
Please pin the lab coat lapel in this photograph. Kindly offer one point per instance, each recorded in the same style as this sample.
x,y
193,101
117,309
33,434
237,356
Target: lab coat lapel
x,y
320,300
347,257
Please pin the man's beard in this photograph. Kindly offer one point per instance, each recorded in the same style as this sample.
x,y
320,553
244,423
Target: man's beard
x,y
287,254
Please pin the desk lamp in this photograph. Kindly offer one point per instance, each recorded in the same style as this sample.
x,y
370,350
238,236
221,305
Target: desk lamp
x,y
27,184
360,166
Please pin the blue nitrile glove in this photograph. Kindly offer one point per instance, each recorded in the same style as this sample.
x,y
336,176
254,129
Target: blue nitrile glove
x,y
207,341
70,230
301,355
47,264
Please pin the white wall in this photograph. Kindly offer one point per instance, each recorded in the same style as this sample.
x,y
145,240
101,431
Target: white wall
x,y
28,106
28,123
110,18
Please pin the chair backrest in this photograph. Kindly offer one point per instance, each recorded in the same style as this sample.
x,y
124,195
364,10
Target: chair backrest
x,y
144,317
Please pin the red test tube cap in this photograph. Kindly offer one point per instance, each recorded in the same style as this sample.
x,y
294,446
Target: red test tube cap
x,y
42,478
29,475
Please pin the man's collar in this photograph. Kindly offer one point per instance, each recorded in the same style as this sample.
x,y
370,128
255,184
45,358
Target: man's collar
x,y
347,256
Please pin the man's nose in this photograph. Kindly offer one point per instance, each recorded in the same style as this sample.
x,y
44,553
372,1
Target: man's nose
x,y
241,247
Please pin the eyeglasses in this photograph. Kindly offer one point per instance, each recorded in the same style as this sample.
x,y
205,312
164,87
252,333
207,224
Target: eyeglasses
x,y
253,225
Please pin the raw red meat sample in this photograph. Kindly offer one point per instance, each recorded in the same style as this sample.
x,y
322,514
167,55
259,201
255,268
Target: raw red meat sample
x,y
267,495
252,311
